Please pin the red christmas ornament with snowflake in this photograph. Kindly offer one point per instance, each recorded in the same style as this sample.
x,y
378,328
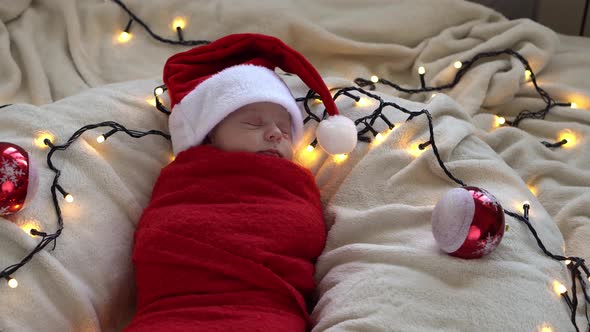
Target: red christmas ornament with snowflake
x,y
15,184
468,222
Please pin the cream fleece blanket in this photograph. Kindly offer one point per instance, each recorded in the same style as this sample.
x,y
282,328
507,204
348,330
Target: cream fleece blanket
x,y
381,269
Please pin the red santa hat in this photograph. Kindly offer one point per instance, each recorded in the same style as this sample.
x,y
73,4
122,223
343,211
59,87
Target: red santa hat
x,y
209,82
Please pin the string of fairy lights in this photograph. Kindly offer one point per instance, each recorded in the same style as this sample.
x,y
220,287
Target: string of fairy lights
x,y
178,24
47,238
462,68
575,265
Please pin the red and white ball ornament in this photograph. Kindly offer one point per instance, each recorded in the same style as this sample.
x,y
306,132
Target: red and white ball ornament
x,y
17,178
468,222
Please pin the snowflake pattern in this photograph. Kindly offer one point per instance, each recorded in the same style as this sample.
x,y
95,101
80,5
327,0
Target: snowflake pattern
x,y
489,244
9,171
4,211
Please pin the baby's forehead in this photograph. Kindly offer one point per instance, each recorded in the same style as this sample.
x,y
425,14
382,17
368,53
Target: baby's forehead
x,y
264,111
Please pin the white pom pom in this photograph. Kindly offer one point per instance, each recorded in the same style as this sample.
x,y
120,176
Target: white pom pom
x,y
337,134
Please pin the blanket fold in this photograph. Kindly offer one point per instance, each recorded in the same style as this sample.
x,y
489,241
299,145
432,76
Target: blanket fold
x,y
228,240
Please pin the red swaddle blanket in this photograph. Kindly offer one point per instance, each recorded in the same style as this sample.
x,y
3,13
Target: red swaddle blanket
x,y
228,242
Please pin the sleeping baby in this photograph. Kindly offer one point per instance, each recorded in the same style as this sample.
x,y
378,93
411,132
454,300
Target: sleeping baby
x,y
229,239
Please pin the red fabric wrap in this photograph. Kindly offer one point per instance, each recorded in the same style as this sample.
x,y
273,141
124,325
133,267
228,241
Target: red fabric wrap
x,y
228,242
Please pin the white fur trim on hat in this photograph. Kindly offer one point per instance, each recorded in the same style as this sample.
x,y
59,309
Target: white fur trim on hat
x,y
223,93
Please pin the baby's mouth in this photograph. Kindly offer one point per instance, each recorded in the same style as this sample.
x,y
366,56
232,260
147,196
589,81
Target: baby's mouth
x,y
271,152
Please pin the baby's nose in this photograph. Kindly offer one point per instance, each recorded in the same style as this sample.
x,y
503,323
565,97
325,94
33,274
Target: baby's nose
x,y
274,134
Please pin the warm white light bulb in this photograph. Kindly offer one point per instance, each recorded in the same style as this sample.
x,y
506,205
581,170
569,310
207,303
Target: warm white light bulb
x,y
29,225
501,120
100,139
458,64
340,157
363,102
124,37
374,79
559,288
546,329
568,262
12,283
40,137
310,148
527,75
526,203
178,22
69,198
574,105
569,136
159,91
421,70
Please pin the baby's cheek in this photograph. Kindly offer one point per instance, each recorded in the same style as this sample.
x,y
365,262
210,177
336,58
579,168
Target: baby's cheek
x,y
288,152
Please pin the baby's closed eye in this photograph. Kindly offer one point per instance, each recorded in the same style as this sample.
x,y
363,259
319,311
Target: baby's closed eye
x,y
252,123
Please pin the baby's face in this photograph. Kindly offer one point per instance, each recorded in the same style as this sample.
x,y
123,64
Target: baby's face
x,y
259,127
